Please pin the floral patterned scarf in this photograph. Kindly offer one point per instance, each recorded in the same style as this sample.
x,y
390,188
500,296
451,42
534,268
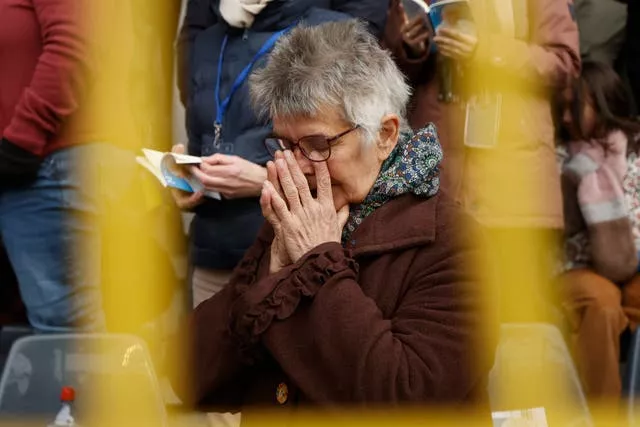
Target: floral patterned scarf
x,y
411,168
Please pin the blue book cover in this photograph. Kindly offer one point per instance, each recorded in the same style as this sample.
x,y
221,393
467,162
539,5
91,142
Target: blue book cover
x,y
452,14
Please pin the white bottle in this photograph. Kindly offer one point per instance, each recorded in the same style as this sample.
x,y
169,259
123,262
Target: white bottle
x,y
64,417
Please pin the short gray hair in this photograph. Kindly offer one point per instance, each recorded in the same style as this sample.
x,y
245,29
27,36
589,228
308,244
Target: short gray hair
x,y
338,65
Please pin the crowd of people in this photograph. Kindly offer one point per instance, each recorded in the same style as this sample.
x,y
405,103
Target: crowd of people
x,y
368,162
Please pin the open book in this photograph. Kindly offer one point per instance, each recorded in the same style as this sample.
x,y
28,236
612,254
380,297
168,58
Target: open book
x,y
171,169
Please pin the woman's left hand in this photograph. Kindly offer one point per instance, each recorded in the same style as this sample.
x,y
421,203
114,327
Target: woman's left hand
x,y
455,44
302,221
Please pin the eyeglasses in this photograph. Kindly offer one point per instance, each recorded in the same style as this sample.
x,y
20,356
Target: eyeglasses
x,y
316,148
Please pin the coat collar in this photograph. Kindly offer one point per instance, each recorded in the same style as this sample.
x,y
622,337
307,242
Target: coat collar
x,y
405,222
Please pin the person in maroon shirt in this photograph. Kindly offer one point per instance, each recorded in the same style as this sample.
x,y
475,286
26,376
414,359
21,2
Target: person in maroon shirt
x,y
44,209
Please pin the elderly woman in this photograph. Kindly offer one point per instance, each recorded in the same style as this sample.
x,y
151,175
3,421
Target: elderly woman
x,y
357,292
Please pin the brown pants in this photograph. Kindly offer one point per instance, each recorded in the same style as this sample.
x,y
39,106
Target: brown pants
x,y
599,311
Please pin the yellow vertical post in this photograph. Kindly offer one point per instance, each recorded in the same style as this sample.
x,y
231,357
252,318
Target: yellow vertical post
x,y
131,70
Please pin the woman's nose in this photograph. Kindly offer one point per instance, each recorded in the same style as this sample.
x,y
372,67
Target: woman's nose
x,y
303,162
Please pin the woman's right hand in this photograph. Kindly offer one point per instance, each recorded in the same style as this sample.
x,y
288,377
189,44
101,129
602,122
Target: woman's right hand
x,y
279,256
185,201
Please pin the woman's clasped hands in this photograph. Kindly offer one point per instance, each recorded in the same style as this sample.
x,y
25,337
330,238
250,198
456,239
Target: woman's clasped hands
x,y
300,221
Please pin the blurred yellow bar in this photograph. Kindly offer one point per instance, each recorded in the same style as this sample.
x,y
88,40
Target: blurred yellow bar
x,y
130,108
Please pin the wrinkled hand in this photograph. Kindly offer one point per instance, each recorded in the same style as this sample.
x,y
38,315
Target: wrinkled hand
x,y
455,44
185,201
415,35
279,256
301,221
231,176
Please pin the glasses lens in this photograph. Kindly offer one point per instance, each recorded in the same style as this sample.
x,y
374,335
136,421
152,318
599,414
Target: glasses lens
x,y
315,147
274,144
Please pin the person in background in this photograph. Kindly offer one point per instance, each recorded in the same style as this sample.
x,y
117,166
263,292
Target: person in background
x,y
410,42
358,291
500,80
46,211
219,44
601,191
602,26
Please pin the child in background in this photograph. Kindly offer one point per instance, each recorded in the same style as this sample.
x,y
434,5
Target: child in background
x,y
601,192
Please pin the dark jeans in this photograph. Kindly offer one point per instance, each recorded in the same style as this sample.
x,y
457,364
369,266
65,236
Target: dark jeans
x,y
45,227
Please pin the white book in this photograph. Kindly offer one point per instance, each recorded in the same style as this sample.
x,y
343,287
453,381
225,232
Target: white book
x,y
171,169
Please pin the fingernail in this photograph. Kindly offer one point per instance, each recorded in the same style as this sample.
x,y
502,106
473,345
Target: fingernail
x,y
288,154
281,163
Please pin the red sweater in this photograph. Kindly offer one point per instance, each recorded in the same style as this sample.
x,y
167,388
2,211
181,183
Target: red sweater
x,y
42,52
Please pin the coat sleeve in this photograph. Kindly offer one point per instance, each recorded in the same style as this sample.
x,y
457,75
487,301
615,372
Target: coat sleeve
x,y
333,341
59,78
198,17
551,57
374,12
218,376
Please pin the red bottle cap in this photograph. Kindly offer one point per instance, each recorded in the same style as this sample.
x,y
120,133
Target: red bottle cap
x,y
68,394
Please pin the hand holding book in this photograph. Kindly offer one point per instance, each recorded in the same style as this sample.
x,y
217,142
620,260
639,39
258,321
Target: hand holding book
x,y
185,200
455,44
415,36
415,30
456,35
192,178
175,171
231,176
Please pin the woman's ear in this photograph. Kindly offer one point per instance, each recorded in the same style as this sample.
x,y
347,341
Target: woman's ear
x,y
389,134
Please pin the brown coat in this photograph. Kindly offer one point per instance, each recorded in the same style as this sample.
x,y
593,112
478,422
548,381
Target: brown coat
x,y
390,319
517,183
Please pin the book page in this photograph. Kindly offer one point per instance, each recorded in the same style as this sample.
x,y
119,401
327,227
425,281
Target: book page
x,y
171,170
145,163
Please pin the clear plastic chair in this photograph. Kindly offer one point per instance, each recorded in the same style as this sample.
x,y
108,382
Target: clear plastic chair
x,y
112,374
535,358
631,380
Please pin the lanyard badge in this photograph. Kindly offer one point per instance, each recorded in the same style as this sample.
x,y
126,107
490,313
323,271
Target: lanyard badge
x,y
223,104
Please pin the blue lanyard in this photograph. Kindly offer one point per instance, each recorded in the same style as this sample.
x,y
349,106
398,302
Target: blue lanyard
x,y
222,105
